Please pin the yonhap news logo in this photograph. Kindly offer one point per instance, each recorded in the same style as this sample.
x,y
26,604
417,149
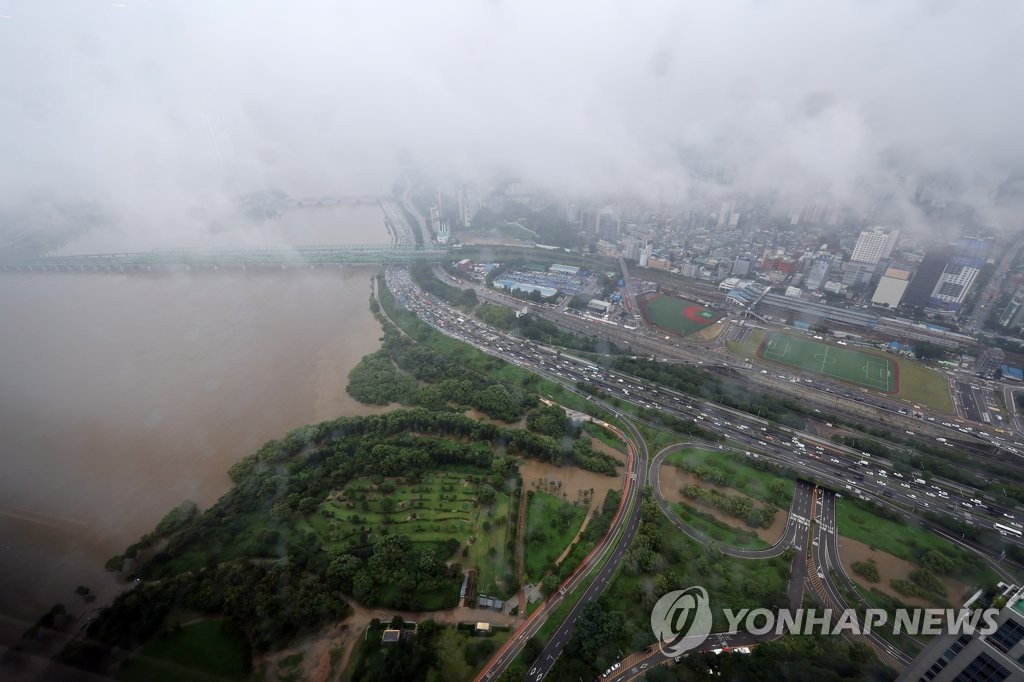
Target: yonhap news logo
x,y
681,620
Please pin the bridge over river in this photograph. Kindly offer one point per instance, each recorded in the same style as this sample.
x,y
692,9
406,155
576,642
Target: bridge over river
x,y
240,258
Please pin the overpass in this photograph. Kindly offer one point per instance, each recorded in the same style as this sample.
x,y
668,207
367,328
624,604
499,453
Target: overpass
x,y
277,257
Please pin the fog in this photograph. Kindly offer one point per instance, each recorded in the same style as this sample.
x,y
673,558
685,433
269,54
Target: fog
x,y
163,111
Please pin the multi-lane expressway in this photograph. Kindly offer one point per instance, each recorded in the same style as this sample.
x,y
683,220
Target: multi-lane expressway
x,y
837,466
801,512
539,669
826,461
829,569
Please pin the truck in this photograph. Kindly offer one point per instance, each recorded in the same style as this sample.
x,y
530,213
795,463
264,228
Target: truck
x,y
919,481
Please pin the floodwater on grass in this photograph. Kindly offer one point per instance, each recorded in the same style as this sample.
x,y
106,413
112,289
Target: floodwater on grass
x,y
892,568
568,482
673,479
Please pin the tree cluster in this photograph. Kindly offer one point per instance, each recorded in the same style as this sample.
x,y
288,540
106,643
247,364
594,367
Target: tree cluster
x,y
698,382
266,603
423,276
249,559
540,330
738,506
868,569
412,374
396,565
921,583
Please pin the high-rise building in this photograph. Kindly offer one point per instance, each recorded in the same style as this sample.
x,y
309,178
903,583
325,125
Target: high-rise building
x,y
818,274
975,657
724,214
1010,317
631,248
927,275
874,245
954,284
572,214
469,204
607,224
645,254
857,272
741,266
606,248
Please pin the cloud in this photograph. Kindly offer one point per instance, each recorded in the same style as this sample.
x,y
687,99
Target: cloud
x,y
160,107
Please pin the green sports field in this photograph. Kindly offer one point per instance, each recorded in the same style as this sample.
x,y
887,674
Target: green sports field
x,y
854,366
677,314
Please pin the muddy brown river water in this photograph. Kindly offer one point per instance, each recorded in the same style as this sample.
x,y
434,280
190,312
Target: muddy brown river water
x,y
121,396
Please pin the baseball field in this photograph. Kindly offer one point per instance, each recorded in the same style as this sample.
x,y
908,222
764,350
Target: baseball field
x,y
850,365
676,315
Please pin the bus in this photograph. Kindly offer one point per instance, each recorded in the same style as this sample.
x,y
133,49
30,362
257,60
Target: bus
x,y
1007,530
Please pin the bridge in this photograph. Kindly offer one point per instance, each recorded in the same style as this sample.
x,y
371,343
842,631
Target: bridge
x,y
212,259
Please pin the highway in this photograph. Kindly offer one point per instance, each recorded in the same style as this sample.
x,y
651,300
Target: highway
x,y
626,520
963,502
821,390
796,524
843,468
840,467
837,466
824,559
631,522
638,663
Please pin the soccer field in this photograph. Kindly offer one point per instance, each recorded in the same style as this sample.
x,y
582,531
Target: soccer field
x,y
676,314
854,366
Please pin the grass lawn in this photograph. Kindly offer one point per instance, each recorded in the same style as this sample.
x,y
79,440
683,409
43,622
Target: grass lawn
x,y
492,567
551,524
907,542
880,600
863,367
854,366
200,651
439,507
451,645
733,536
604,436
677,314
656,439
748,349
245,540
730,583
924,386
743,477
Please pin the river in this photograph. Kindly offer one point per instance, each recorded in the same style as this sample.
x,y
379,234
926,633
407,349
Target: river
x,y
121,396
